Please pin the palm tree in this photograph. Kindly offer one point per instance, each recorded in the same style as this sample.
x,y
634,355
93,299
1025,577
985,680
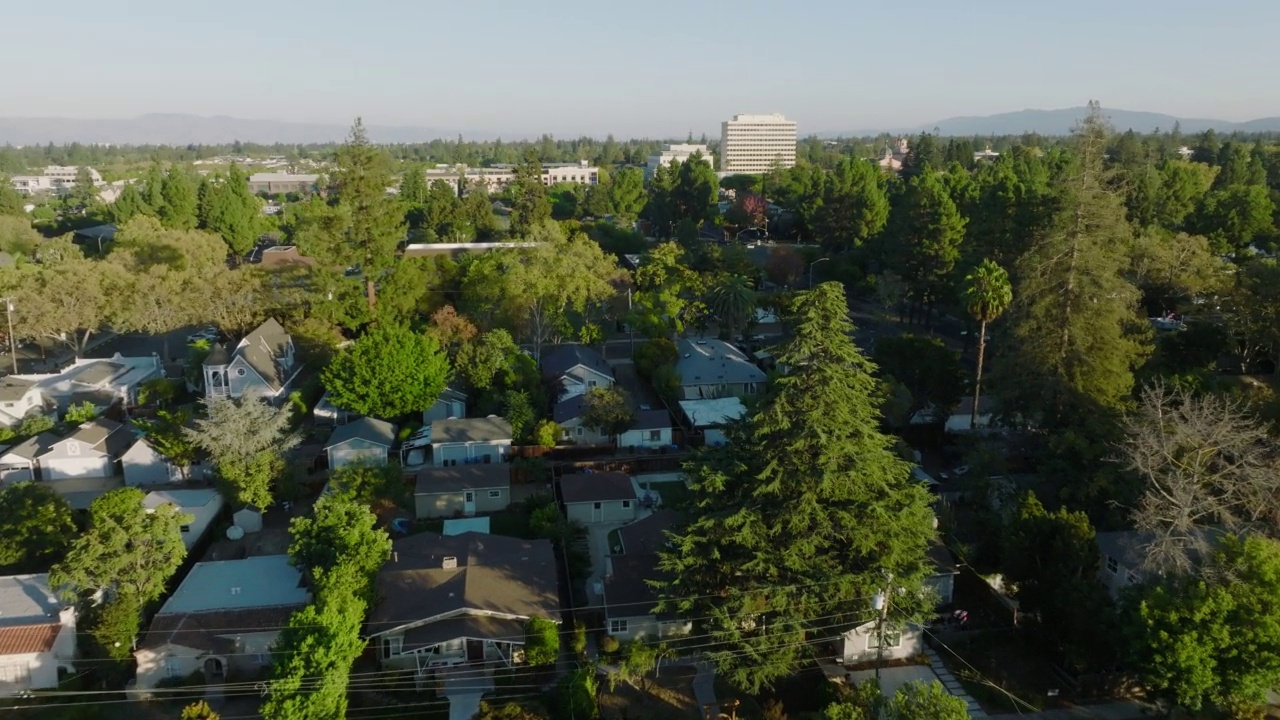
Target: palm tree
x,y
987,294
731,302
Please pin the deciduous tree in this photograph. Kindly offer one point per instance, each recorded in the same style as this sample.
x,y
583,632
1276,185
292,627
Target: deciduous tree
x,y
340,531
246,439
542,641
36,526
608,409
388,372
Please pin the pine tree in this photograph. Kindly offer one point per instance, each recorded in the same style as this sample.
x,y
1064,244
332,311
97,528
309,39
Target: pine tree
x,y
376,228
10,201
929,230
804,515
530,206
128,205
232,211
180,202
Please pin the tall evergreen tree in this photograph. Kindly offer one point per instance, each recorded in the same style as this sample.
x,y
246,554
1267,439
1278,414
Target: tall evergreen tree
x,y
128,205
375,228
232,211
804,515
180,203
530,204
10,201
696,189
929,230
153,189
854,206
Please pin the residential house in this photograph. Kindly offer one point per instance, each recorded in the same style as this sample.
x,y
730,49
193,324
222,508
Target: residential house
x,y
99,382
37,635
261,365
248,519
862,644
711,369
221,621
143,465
18,463
92,451
651,430
451,404
1122,555
452,600
18,399
572,370
943,579
709,417
203,505
465,490
361,442
468,441
599,497
630,601
568,414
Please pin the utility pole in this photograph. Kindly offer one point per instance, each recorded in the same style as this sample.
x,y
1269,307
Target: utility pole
x,y
881,602
13,345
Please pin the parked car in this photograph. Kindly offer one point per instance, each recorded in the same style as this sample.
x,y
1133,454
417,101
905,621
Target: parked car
x,y
207,334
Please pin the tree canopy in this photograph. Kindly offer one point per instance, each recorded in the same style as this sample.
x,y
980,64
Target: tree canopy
x,y
388,372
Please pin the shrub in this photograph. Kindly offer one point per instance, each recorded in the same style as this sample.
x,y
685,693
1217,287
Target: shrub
x,y
609,644
542,641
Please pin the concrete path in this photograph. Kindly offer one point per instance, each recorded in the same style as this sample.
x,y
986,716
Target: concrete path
x,y
465,692
952,685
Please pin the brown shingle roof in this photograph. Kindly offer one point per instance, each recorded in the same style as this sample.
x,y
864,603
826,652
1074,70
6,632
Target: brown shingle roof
x,y
203,630
648,534
626,591
433,480
596,487
21,639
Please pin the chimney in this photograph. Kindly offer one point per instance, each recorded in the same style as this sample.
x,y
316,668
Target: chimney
x,y
450,563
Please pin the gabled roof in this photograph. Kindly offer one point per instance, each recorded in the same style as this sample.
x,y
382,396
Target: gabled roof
x,y
435,480
714,362
24,639
560,360
34,446
648,534
214,630
491,573
627,592
368,429
569,409
270,336
597,487
13,389
27,600
103,435
652,420
259,350
466,430
180,498
254,582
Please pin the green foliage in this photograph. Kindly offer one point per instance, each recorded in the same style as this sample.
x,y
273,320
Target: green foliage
x,y
1233,217
546,434
387,373
11,202
36,526
246,440
519,412
79,414
608,409
199,710
542,641
372,483
34,425
854,206
114,626
651,355
929,369
732,302
610,644
578,695
806,506
638,663
484,360
178,191
578,640
667,292
626,194
510,711
340,531
530,205
166,434
915,700
928,230
126,548
230,210
1212,639
157,391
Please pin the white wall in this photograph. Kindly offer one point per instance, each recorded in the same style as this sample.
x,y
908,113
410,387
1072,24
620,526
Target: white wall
x,y
459,452
640,438
858,644
357,451
648,627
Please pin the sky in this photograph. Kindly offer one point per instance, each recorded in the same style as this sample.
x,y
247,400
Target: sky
x,y
657,68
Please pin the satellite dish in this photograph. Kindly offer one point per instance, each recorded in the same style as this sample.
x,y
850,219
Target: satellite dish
x,y
235,532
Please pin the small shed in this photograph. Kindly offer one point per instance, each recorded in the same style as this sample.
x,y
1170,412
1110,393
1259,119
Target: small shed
x,y
462,490
248,519
652,429
144,465
363,441
203,505
599,497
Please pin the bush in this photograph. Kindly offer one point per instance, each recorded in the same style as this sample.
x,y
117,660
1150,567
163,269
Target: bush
x,y
542,641
609,644
79,414
653,354
578,640
34,425
546,434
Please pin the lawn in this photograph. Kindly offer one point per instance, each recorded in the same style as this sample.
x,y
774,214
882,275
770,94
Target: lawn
x,y
675,494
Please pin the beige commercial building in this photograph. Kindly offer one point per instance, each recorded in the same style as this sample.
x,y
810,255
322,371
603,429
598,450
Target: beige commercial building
x,y
677,153
497,177
756,144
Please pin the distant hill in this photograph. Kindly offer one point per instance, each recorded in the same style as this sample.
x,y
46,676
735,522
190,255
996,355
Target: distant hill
x,y
1060,122
173,129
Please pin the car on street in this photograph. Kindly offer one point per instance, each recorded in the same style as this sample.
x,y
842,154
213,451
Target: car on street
x,y
207,334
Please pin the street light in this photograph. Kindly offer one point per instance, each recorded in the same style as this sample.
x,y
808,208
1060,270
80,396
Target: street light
x,y
815,262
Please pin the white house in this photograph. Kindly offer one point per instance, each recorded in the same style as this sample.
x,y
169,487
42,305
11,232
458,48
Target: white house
x,y
451,404
203,506
360,442
600,497
862,643
37,635
710,368
261,365
99,382
18,463
568,414
572,370
90,452
221,621
652,429
19,398
470,440
143,465
710,416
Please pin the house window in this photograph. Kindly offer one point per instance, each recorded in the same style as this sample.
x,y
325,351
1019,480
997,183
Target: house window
x,y
469,496
655,436
1133,578
626,504
450,463
596,506
185,528
391,646
617,627
486,459
262,659
171,668
73,447
1113,565
495,494
241,372
581,431
892,639
591,383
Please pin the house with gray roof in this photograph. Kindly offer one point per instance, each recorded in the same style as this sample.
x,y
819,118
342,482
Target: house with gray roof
x,y
652,429
593,497
201,505
568,414
222,620
100,382
470,441
365,441
454,599
572,370
19,398
18,463
630,601
710,369
444,492
260,365
91,451
37,635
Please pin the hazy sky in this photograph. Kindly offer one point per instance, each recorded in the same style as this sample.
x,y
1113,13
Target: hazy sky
x,y
648,68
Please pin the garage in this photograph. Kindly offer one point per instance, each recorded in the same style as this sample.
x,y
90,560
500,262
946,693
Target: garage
x,y
89,452
83,467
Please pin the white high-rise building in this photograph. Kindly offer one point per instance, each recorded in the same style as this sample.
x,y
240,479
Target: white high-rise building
x,y
756,144
677,153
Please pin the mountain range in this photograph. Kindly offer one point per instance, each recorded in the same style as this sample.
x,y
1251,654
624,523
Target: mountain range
x,y
177,129
1060,122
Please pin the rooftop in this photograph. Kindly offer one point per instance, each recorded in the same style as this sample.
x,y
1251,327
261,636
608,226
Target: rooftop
x,y
13,389
652,420
433,480
180,498
27,600
712,413
470,430
627,592
457,526
714,362
368,429
34,446
597,487
283,177
569,409
253,582
648,534
559,360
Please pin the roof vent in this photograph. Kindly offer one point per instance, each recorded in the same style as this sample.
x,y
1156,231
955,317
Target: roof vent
x,y
686,354
702,342
450,563
235,590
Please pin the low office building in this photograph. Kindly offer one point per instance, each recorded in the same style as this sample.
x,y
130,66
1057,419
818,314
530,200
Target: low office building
x,y
282,183
57,179
496,177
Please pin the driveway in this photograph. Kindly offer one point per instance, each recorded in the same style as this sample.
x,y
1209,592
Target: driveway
x,y
465,692
598,547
